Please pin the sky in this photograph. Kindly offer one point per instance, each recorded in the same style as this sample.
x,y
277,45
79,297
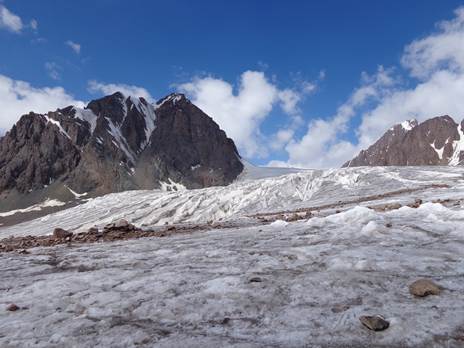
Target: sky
x,y
293,83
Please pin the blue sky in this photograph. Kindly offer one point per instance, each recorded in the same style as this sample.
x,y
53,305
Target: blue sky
x,y
311,58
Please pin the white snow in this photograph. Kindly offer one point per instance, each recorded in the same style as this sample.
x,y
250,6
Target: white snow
x,y
438,151
172,186
150,116
458,147
35,207
309,188
305,285
408,125
58,124
174,98
118,140
86,115
279,223
75,194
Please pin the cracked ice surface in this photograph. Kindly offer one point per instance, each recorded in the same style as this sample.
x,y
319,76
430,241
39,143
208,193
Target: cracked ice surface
x,y
317,278
245,196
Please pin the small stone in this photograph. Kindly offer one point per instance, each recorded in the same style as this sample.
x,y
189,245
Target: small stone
x,y
424,287
61,234
12,307
255,280
388,224
93,230
374,322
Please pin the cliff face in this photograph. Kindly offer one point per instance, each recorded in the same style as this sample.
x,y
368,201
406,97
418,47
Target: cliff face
x,y
437,141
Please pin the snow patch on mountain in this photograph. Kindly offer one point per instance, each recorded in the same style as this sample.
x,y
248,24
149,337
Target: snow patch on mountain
x,y
438,151
119,140
171,186
35,207
86,115
75,194
409,124
174,98
57,124
458,147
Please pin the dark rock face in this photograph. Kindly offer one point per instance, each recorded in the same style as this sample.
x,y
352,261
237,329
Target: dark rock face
x,y
199,155
116,143
34,153
433,142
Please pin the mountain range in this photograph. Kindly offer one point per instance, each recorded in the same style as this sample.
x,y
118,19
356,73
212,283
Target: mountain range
x,y
116,143
119,143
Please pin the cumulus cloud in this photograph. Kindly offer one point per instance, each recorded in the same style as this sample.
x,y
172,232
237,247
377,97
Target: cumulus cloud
x,y
240,111
18,98
10,21
441,50
74,46
321,145
110,88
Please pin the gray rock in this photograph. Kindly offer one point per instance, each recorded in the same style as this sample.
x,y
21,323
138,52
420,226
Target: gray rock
x,y
93,230
61,233
424,287
374,322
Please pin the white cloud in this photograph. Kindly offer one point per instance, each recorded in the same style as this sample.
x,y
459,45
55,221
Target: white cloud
x,y
240,113
34,24
18,98
321,145
441,50
110,88
281,138
74,46
10,21
437,61
53,70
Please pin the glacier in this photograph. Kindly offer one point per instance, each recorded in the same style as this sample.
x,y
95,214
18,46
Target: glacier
x,y
278,283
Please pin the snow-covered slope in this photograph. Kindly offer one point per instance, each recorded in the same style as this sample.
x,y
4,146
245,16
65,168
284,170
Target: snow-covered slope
x,y
302,284
249,196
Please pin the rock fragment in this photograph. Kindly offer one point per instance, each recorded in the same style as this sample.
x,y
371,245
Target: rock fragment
x,y
61,233
424,287
12,307
374,322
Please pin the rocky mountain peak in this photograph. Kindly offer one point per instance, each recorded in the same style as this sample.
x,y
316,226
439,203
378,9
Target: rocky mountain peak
x,y
436,141
115,143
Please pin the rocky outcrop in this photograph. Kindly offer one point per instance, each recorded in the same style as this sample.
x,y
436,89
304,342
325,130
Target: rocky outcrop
x,y
437,141
116,143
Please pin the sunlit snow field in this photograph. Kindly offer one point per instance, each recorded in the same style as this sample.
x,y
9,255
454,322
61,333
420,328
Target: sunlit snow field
x,y
294,284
